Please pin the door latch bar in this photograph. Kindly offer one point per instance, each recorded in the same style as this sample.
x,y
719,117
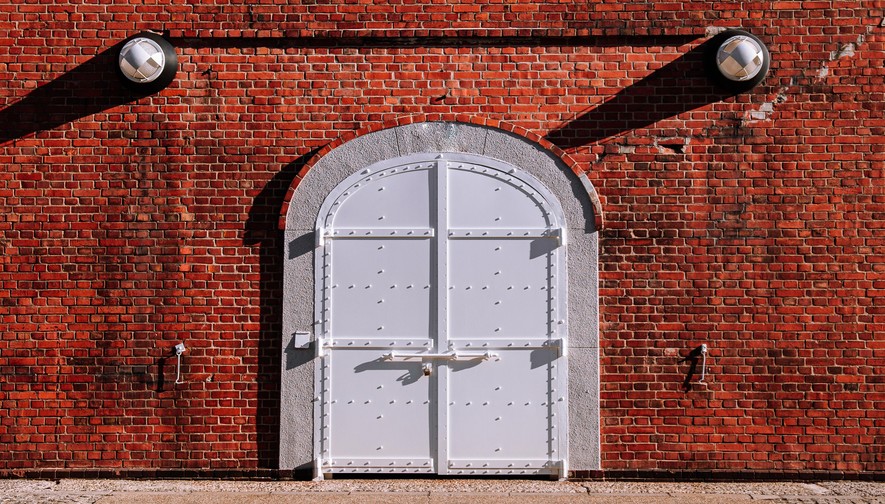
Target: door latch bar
x,y
440,356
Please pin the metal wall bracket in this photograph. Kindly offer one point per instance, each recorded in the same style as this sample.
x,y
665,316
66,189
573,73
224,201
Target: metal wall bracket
x,y
318,470
301,339
562,237
562,347
562,465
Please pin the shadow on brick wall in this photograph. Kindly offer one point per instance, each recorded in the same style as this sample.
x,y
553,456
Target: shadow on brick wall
x,y
678,87
88,89
262,230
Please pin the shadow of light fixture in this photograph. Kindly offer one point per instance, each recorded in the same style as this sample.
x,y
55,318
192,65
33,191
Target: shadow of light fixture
x,y
737,60
147,62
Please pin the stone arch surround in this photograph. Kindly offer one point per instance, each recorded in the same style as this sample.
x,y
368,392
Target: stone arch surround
x,y
333,165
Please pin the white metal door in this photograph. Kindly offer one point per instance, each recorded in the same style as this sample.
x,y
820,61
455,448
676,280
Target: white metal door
x,y
441,321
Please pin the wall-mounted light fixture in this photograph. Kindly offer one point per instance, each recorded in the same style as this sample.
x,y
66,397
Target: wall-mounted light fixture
x,y
147,62
737,60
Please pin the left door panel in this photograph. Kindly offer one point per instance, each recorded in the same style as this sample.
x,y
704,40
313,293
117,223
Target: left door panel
x,y
375,298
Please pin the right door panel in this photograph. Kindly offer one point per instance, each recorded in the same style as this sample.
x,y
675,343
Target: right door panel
x,y
506,414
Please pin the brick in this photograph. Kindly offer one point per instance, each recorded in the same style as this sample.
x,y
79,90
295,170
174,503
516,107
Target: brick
x,y
130,223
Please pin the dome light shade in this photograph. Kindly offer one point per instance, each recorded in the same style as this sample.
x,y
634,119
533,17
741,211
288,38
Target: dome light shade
x,y
737,60
147,62
740,58
142,60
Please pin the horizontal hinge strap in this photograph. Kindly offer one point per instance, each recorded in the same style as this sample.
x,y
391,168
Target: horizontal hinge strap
x,y
378,463
500,233
343,233
323,234
497,464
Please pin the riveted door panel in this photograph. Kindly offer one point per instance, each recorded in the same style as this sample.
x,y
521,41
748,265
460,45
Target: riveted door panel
x,y
380,413
493,197
381,288
500,414
397,197
501,288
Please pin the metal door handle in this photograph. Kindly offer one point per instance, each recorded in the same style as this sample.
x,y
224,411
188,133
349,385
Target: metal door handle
x,y
441,356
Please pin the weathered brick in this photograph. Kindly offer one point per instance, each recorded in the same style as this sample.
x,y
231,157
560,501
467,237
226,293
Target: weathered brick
x,y
751,223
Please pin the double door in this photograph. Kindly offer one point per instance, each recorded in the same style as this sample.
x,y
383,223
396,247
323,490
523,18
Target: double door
x,y
441,321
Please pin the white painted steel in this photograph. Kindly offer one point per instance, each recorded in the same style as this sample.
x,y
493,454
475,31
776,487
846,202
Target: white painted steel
x,y
441,321
441,194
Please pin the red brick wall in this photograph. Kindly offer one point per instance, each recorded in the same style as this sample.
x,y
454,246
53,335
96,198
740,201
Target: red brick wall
x,y
753,224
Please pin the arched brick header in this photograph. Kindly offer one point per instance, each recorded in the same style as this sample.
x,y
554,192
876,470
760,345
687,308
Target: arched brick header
x,y
567,159
528,152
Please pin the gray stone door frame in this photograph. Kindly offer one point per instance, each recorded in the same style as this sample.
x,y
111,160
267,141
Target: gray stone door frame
x,y
297,423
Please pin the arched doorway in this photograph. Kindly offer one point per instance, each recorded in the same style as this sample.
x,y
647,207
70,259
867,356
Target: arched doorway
x,y
440,328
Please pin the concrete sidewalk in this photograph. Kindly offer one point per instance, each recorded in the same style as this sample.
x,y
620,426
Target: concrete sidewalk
x,y
431,491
